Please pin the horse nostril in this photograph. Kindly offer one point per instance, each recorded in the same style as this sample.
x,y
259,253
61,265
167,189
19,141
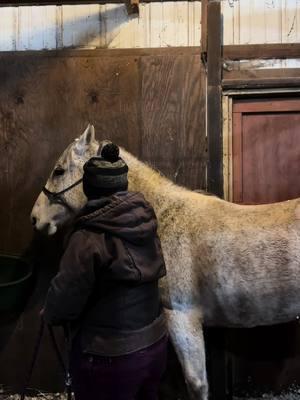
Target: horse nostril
x,y
33,221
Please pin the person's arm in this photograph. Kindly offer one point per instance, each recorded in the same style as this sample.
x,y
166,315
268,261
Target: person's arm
x,y
72,286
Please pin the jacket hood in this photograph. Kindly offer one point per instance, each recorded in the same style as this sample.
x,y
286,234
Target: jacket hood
x,y
126,215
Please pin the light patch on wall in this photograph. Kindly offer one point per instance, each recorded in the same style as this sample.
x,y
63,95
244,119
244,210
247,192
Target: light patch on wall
x,y
92,26
261,21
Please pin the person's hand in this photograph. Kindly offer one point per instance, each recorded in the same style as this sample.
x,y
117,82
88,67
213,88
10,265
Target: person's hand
x,y
42,312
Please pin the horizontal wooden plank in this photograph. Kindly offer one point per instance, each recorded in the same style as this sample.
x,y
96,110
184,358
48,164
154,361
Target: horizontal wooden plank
x,y
276,77
260,83
161,51
277,105
262,73
5,3
255,51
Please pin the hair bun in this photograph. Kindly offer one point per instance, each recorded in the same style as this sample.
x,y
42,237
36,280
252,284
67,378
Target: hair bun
x,y
110,152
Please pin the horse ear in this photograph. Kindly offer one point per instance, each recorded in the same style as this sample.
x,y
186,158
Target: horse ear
x,y
85,139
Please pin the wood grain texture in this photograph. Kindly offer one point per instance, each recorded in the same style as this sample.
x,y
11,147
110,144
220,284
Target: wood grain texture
x,y
261,51
266,155
44,104
267,73
142,103
217,376
261,83
261,78
266,150
153,105
173,109
96,53
214,102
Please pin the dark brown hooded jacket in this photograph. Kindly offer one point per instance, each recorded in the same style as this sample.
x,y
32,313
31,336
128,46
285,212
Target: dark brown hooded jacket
x,y
107,285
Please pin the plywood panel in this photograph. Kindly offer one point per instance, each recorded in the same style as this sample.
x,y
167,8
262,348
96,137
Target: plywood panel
x,y
118,94
172,120
106,93
266,151
151,104
260,167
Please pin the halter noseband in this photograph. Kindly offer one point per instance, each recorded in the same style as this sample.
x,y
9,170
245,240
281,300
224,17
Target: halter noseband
x,y
57,197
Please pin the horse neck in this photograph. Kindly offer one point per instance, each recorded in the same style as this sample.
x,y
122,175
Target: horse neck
x,y
153,185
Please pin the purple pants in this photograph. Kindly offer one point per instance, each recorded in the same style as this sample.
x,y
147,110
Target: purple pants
x,y
134,376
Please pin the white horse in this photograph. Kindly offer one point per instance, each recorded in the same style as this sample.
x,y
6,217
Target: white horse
x,y
227,264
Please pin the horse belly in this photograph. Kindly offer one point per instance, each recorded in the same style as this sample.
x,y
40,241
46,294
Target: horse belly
x,y
244,307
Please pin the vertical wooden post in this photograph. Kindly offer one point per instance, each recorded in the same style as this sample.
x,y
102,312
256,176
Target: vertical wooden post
x,y
218,362
214,98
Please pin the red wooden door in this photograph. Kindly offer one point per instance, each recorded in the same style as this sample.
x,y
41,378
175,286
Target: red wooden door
x,y
266,150
266,169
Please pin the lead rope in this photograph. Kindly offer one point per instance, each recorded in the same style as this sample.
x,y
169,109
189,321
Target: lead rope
x,y
68,381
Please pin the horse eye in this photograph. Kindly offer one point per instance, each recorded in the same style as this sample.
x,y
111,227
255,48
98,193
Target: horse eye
x,y
58,171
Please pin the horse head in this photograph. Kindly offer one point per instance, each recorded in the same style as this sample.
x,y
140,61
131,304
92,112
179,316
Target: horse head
x,y
62,196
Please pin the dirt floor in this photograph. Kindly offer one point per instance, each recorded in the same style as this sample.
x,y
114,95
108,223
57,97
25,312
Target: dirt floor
x,y
288,396
40,396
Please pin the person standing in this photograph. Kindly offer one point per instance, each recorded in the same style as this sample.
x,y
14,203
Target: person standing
x,y
107,289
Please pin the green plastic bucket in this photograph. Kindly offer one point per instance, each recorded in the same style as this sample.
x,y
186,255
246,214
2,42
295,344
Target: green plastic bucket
x,y
15,282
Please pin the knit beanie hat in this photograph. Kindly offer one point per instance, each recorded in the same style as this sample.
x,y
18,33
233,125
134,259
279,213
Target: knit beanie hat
x,y
106,174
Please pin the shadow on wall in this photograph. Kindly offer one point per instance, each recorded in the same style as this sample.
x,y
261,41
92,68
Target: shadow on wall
x,y
101,32
93,28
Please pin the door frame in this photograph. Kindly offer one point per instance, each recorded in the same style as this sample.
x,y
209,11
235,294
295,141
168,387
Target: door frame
x,y
228,96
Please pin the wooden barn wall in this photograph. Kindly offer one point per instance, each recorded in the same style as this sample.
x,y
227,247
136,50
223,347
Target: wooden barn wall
x,y
162,24
151,103
100,26
262,22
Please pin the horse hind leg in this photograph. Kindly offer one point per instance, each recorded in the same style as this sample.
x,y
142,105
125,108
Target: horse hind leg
x,y
186,334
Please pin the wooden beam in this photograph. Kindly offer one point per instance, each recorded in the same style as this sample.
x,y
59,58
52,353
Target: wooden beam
x,y
259,78
262,73
261,83
216,354
266,51
161,51
6,3
214,101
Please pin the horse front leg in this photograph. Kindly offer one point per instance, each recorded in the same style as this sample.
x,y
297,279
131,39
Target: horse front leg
x,y
186,333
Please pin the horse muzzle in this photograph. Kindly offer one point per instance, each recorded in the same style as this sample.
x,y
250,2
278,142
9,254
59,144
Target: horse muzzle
x,y
44,227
